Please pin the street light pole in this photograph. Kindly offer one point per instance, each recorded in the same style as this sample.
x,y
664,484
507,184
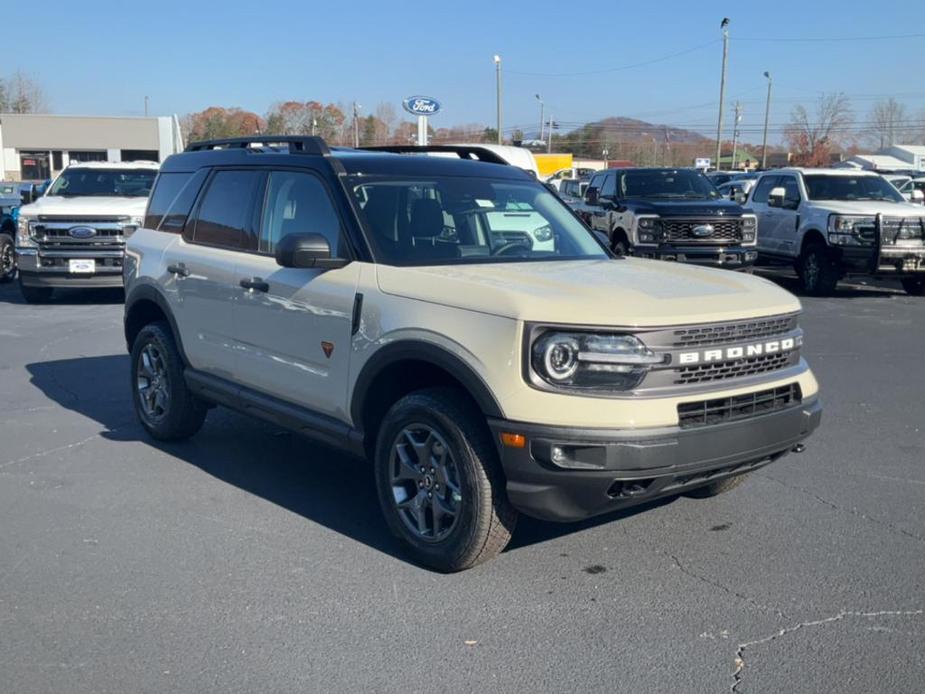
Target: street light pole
x,y
767,111
735,133
542,124
498,85
356,125
722,89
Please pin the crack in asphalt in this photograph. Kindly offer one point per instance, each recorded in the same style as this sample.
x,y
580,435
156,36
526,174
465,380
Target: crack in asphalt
x,y
48,451
725,589
852,511
742,647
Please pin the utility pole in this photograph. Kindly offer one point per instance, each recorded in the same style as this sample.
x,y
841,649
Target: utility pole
x,y
735,132
542,124
314,125
722,89
549,139
605,153
767,112
146,107
356,125
498,96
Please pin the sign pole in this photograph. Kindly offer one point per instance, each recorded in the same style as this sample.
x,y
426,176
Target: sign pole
x,y
422,131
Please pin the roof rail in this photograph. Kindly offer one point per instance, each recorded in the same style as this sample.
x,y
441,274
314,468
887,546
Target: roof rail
x,y
476,152
297,144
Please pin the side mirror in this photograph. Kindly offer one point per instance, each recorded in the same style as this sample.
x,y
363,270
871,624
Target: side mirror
x,y
591,196
776,197
306,251
26,195
739,197
918,196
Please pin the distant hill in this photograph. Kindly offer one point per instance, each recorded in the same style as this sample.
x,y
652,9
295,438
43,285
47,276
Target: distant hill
x,y
634,140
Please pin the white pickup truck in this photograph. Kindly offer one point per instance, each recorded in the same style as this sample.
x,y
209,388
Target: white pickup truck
x,y
829,223
74,235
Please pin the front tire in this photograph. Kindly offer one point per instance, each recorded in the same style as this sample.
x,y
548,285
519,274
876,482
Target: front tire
x,y
164,405
440,483
716,488
7,259
914,286
818,272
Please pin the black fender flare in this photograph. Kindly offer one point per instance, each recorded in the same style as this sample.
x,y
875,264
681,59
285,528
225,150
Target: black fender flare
x,y
149,292
418,350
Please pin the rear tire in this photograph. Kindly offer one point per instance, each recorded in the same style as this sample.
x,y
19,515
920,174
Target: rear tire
x,y
164,405
817,270
440,482
7,259
35,295
715,488
914,286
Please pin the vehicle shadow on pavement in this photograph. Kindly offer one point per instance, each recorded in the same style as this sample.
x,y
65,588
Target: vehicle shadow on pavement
x,y
322,485
845,290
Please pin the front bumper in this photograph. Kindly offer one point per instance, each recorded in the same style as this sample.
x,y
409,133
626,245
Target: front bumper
x,y
50,269
605,470
889,261
731,257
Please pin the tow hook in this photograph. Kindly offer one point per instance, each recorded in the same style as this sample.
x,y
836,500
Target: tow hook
x,y
799,448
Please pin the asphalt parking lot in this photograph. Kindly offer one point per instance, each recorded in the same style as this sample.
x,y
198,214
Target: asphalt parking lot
x,y
251,560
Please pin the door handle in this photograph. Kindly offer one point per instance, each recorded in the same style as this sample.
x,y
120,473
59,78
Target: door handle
x,y
256,284
178,269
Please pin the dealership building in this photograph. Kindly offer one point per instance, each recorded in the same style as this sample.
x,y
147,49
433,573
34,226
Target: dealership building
x,y
38,146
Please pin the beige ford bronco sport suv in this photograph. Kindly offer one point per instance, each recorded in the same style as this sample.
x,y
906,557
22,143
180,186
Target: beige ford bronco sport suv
x,y
367,300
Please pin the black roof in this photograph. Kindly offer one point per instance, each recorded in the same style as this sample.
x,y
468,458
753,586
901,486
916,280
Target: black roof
x,y
312,151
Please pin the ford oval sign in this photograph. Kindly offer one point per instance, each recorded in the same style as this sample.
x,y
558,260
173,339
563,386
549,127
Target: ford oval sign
x,y
421,105
81,232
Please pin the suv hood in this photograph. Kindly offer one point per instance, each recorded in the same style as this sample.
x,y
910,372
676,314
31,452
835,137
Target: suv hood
x,y
685,208
870,208
88,205
623,292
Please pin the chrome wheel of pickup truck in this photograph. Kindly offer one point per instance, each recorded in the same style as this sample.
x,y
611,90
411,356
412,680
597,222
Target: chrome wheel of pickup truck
x,y
425,482
7,259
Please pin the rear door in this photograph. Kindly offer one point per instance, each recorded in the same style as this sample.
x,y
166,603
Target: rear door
x,y
292,334
202,283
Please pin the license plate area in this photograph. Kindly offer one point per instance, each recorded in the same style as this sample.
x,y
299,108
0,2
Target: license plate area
x,y
81,266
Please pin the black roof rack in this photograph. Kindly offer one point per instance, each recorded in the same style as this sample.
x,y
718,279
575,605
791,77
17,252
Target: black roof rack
x,y
296,144
476,152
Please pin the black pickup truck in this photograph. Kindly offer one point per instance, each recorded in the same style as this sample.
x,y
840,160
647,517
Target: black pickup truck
x,y
670,214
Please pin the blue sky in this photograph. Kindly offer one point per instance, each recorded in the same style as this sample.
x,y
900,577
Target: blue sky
x,y
104,57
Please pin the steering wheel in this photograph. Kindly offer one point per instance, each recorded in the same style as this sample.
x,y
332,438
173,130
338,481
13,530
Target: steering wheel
x,y
510,245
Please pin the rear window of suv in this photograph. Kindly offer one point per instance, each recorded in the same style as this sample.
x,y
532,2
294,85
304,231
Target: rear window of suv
x,y
172,199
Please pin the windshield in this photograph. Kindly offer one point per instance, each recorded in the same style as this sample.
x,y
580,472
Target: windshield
x,y
435,220
129,183
822,187
666,184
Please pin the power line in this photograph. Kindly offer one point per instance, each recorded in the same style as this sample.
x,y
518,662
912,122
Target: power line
x,y
615,69
815,39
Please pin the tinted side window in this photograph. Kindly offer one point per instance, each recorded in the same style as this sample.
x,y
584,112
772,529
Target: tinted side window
x,y
298,203
764,187
172,199
596,181
225,212
609,186
791,189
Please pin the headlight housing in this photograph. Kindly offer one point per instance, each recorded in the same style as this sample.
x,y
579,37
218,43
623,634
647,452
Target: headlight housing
x,y
24,231
851,230
587,361
543,233
749,229
648,230
131,224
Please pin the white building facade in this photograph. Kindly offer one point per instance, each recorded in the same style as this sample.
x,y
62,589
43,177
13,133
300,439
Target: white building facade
x,y
38,146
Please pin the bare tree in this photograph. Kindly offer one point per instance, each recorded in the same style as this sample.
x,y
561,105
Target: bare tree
x,y
812,138
22,94
385,112
887,123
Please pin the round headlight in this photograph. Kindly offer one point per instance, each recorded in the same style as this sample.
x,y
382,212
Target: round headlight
x,y
559,356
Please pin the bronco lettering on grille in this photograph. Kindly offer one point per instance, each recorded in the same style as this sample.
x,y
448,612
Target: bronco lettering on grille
x,y
740,352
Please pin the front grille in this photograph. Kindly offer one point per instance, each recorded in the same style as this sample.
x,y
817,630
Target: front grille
x,y
895,230
682,230
41,230
738,407
720,371
77,220
734,332
53,234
